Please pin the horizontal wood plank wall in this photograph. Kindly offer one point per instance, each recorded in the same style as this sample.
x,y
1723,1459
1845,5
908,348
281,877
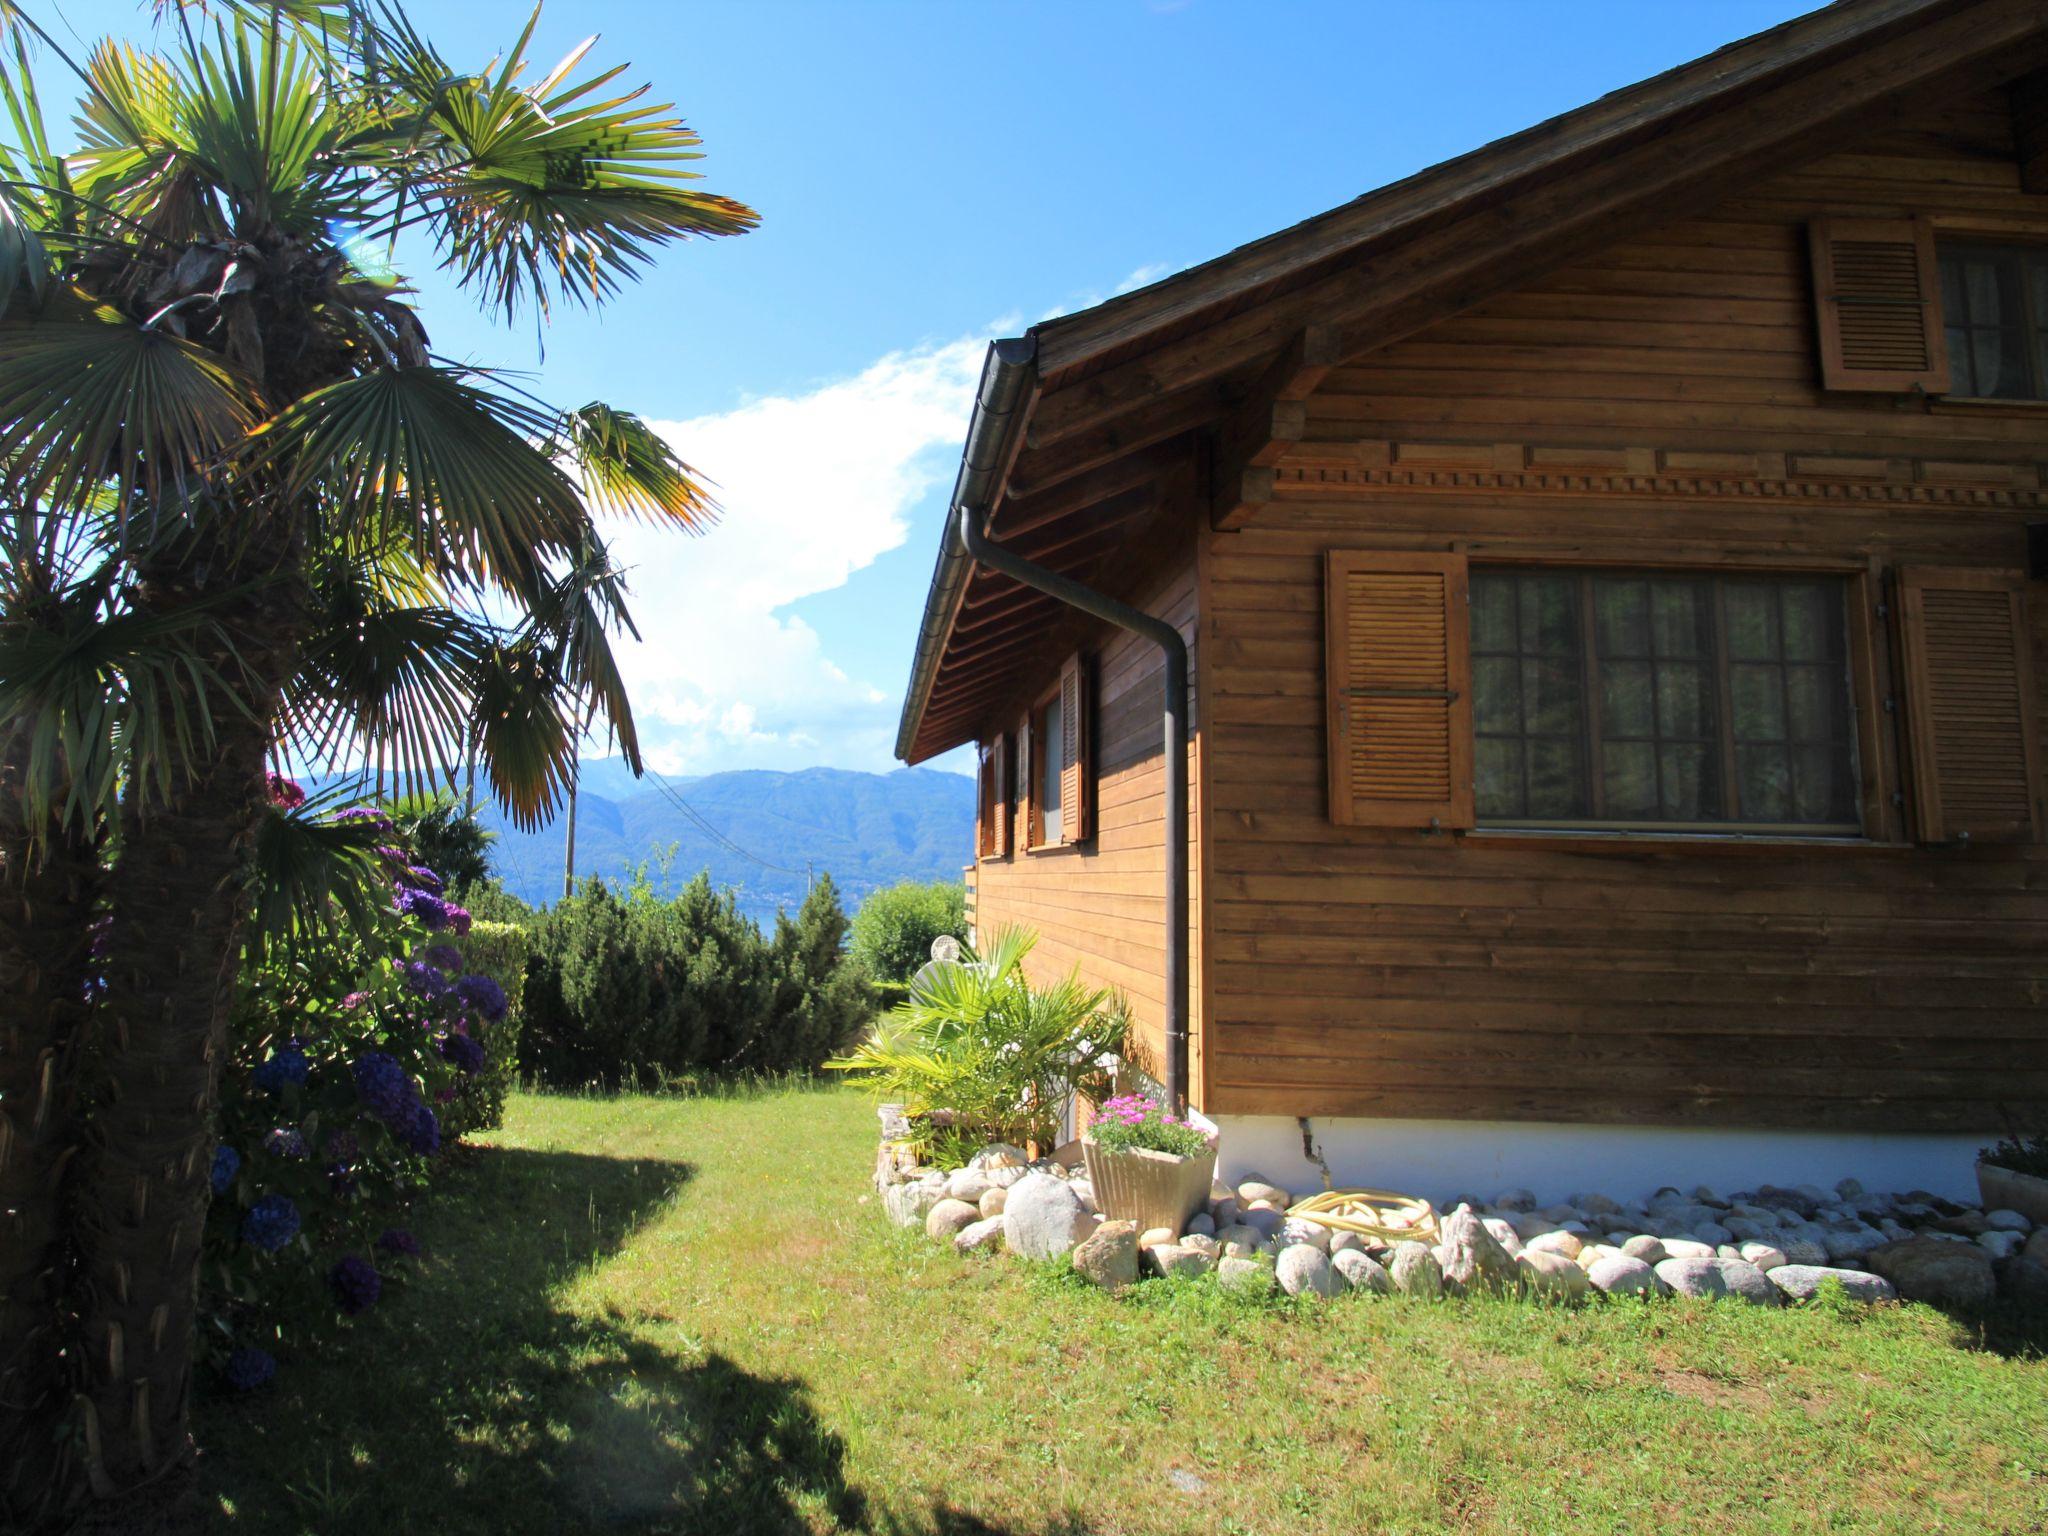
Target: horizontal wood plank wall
x,y
1100,905
1366,972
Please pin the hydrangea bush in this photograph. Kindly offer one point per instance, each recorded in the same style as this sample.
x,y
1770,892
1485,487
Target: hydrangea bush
x,y
354,1062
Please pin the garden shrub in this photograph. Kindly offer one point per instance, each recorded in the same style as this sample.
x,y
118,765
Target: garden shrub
x,y
354,1058
498,949
621,984
895,926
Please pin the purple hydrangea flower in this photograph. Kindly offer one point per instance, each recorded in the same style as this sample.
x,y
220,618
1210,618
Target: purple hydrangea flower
x,y
342,1147
396,858
443,957
285,1142
368,813
227,1162
399,1243
428,909
424,980
382,1085
356,1283
424,878
420,1129
285,1065
270,1223
463,1051
354,1001
484,995
285,793
458,918
248,1369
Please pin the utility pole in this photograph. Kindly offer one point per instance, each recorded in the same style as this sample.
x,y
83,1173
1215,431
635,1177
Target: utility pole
x,y
569,852
810,877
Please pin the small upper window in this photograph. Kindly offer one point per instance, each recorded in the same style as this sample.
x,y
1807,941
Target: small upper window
x,y
1994,302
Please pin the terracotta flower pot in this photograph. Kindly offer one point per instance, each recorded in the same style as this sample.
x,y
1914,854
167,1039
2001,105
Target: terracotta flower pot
x,y
1153,1189
2003,1189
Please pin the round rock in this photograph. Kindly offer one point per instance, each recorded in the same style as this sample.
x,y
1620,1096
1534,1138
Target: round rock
x,y
1042,1219
1359,1272
948,1218
1415,1272
1622,1275
1108,1257
1304,1270
1802,1282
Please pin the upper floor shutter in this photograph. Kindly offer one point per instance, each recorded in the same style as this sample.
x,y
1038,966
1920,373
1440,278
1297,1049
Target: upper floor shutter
x,y
1399,689
1968,673
1000,830
1076,764
1877,300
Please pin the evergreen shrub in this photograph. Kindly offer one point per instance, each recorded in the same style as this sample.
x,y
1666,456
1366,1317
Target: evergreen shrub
x,y
894,927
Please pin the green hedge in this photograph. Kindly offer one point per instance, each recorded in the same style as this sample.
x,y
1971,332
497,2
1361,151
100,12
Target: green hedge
x,y
500,950
895,926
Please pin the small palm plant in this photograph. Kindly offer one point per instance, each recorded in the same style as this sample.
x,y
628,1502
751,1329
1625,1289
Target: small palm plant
x,y
978,1054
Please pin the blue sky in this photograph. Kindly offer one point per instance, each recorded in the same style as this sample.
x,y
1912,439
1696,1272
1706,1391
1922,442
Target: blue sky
x,y
931,173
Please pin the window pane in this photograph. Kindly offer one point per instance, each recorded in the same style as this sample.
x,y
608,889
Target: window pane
x,y
1814,698
1550,697
1685,699
1821,791
1764,779
1678,612
1625,699
1499,767
1757,697
1050,780
1629,778
1621,614
1556,780
1812,624
1493,612
1550,615
1752,621
1691,782
1497,695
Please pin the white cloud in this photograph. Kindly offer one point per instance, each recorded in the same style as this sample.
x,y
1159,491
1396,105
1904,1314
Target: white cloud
x,y
1145,276
813,487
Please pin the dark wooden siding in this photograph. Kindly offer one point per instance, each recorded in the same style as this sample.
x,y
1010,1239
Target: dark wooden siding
x,y
1660,403
1099,905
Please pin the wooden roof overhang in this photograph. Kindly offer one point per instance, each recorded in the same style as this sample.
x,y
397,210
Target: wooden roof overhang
x,y
1202,375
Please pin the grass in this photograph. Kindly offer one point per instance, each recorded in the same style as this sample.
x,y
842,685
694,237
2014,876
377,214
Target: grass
x,y
687,1314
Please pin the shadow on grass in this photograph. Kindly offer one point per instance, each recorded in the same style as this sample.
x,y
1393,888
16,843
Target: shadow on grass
x,y
470,1401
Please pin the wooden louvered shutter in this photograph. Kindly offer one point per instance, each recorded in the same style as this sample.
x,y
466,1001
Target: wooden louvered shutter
x,y
1969,704
1076,776
1877,298
1399,690
1000,839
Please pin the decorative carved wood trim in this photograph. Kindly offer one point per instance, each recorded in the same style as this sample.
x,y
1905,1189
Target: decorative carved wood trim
x,y
1313,468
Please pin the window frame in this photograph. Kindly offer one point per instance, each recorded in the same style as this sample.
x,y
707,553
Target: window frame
x,y
1039,770
1873,722
2034,322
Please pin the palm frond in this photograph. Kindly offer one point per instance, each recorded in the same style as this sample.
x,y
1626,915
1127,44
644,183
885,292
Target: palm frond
x,y
560,190
315,877
254,113
89,396
422,454
525,728
628,468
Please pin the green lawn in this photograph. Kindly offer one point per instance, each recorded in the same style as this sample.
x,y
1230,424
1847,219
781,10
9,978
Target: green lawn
x,y
650,1314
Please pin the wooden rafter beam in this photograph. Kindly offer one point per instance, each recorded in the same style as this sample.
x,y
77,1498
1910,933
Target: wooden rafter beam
x,y
1271,418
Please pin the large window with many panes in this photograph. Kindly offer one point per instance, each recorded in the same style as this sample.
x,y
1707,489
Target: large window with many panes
x,y
1994,311
1662,699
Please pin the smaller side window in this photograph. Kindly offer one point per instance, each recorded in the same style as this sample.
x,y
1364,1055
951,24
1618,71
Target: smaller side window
x,y
1994,310
1048,745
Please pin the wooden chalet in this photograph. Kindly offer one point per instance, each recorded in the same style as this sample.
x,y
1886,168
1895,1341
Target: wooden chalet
x,y
1615,640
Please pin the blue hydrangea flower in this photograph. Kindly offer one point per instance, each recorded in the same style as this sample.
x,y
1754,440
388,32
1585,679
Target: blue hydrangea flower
x,y
443,957
463,1051
342,1147
357,1285
399,1243
285,1065
227,1162
270,1223
420,1129
484,995
382,1085
285,1142
424,979
248,1369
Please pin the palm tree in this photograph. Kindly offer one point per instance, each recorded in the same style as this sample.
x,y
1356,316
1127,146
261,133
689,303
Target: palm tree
x,y
277,517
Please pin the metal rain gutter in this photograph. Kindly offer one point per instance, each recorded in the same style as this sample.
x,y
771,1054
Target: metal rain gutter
x,y
1006,379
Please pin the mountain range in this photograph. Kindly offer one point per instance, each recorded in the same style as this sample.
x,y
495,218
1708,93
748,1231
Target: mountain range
x,y
757,831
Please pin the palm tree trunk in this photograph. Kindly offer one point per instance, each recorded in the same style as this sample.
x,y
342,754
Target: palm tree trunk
x,y
47,894
180,898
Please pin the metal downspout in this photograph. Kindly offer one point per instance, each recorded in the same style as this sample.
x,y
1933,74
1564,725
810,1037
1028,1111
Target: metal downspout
x,y
1174,726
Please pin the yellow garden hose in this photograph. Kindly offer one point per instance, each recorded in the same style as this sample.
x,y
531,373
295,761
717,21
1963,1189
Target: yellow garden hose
x,y
1371,1213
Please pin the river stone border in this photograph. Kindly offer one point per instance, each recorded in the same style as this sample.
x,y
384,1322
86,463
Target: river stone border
x,y
1770,1246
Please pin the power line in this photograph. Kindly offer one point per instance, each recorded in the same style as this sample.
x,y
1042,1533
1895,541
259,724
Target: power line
x,y
698,819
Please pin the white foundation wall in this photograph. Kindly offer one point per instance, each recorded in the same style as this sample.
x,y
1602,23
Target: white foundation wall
x,y
1437,1159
